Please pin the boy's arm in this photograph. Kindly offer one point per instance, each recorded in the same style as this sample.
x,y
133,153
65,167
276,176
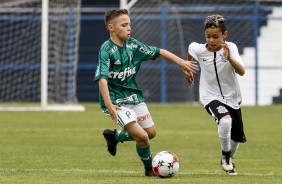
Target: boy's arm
x,y
236,65
104,90
188,67
191,77
189,57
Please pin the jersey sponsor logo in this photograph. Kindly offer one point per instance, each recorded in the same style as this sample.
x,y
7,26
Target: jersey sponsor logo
x,y
143,118
131,98
117,62
131,46
122,75
146,51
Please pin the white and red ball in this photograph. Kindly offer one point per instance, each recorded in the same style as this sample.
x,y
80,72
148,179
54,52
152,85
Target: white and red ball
x,y
165,164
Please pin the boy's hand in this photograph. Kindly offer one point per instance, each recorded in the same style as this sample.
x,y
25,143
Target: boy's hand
x,y
190,78
112,109
189,66
188,69
226,51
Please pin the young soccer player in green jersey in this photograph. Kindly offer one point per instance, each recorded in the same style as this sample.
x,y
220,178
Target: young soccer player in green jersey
x,y
120,59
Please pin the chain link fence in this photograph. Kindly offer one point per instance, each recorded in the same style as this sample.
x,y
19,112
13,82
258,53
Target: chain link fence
x,y
173,25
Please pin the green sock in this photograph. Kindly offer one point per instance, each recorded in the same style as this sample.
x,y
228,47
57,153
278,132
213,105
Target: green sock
x,y
122,135
145,155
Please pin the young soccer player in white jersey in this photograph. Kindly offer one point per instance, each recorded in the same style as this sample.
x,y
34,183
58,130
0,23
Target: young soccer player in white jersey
x,y
220,63
120,58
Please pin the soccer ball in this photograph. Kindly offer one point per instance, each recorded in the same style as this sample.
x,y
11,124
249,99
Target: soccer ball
x,y
165,164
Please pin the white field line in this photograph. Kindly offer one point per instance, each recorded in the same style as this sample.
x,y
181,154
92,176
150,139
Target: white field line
x,y
129,172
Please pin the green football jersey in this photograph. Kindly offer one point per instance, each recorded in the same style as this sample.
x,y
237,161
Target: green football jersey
x,y
120,65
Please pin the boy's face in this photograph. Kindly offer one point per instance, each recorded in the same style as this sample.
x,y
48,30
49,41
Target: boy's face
x,y
214,38
120,27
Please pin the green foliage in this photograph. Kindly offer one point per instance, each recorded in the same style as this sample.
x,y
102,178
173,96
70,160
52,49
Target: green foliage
x,y
68,147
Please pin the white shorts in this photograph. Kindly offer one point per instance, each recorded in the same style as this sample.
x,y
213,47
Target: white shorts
x,y
131,113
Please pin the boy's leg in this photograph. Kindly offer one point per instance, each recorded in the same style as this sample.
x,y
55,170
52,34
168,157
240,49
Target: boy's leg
x,y
134,131
224,121
224,133
145,156
113,137
237,133
142,145
122,136
144,119
234,148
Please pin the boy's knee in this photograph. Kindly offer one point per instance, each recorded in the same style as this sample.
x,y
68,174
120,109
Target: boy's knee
x,y
152,135
142,139
151,132
224,127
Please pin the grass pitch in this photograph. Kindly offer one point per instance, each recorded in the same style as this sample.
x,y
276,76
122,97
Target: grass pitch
x,y
68,147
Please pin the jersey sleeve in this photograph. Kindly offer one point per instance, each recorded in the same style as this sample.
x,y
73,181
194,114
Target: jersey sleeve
x,y
192,50
102,70
146,52
235,53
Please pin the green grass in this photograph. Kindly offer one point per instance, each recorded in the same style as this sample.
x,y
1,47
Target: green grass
x,y
68,147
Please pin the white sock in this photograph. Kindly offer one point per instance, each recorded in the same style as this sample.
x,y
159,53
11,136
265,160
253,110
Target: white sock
x,y
224,133
234,147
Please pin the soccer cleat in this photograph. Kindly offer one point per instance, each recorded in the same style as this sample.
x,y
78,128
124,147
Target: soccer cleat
x,y
149,172
233,171
111,141
226,163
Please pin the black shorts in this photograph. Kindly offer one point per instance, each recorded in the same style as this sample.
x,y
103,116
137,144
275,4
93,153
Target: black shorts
x,y
218,110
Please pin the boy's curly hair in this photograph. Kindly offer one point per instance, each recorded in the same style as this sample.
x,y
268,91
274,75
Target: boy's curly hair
x,y
215,21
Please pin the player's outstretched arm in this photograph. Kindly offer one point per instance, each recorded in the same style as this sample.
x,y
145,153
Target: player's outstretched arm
x,y
104,90
188,67
190,78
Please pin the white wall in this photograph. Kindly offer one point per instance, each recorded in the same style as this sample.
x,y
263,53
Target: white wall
x,y
269,56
